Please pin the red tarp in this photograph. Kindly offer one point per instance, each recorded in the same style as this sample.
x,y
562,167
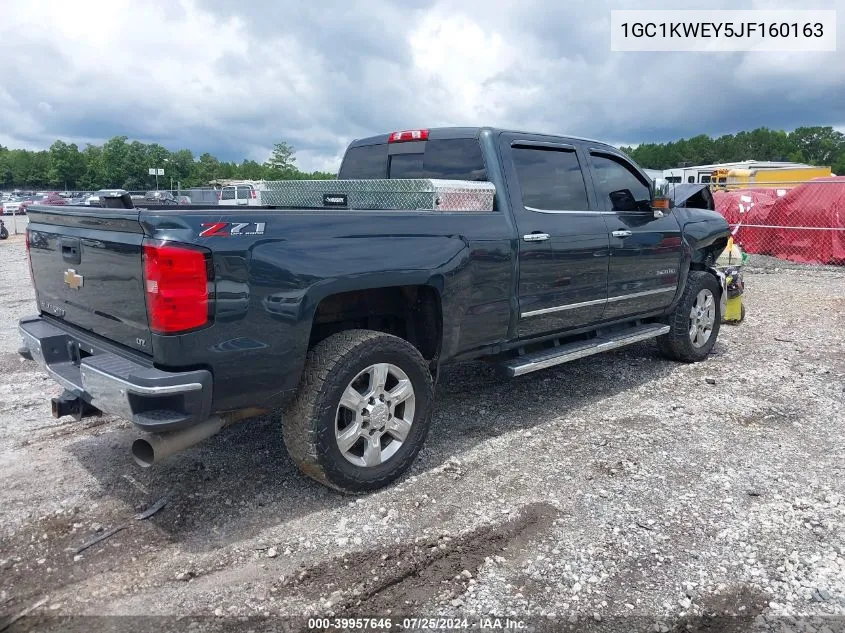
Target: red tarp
x,y
743,207
818,205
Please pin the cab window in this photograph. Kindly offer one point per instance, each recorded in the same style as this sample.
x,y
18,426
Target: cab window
x,y
619,186
550,178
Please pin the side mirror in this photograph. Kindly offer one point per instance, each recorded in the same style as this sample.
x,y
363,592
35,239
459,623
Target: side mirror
x,y
623,200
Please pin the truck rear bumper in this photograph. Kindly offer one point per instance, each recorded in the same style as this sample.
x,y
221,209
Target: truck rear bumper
x,y
152,399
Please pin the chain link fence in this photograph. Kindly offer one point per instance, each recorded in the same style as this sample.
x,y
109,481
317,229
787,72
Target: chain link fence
x,y
801,222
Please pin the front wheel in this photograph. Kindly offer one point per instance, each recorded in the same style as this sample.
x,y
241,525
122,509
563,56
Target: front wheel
x,y
694,323
361,412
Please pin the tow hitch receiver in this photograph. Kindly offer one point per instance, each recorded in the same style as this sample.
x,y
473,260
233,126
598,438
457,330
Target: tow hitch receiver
x,y
69,404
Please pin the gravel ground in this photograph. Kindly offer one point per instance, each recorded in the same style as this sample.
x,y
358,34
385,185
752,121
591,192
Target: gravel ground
x,y
620,492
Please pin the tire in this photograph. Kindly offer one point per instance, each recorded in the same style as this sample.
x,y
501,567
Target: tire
x,y
3,233
678,344
316,423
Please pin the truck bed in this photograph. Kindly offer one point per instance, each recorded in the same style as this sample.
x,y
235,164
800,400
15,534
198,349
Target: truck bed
x,y
271,267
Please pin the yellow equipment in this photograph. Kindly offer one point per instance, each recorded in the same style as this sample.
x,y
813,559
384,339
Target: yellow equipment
x,y
765,178
730,262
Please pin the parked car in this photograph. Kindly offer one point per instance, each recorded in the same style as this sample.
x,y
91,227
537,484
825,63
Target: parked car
x,y
52,199
94,198
78,199
186,322
13,205
183,200
160,195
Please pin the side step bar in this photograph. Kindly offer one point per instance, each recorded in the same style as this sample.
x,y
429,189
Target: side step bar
x,y
579,349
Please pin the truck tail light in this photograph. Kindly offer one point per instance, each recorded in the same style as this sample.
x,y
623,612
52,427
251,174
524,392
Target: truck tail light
x,y
220,195
253,194
176,280
408,135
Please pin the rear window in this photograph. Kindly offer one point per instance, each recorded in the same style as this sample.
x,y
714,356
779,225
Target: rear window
x,y
243,193
451,159
228,193
368,162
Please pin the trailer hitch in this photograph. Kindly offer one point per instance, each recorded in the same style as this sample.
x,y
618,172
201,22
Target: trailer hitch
x,y
69,404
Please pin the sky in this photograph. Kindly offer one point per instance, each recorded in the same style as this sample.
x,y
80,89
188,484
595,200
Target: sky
x,y
233,78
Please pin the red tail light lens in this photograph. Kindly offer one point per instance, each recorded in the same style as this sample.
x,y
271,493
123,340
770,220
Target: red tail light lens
x,y
408,135
176,279
219,195
253,194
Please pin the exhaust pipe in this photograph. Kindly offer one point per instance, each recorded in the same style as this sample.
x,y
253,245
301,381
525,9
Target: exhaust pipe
x,y
156,447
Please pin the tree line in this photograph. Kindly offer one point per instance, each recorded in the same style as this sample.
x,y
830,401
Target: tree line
x,y
120,163
812,145
124,164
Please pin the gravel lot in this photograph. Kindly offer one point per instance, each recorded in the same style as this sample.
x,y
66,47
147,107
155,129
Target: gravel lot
x,y
616,493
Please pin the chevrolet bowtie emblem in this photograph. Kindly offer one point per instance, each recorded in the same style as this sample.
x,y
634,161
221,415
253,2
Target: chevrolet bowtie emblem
x,y
72,279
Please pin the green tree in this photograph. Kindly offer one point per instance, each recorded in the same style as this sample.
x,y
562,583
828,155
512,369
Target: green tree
x,y
67,165
181,166
251,170
207,169
819,145
814,145
94,175
115,161
281,161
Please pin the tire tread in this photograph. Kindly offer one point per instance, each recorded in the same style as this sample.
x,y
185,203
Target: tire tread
x,y
300,419
676,345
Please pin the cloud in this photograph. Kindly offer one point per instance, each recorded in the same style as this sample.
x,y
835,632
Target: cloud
x,y
233,79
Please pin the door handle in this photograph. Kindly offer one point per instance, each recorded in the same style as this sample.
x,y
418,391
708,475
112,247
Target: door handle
x,y
621,233
536,237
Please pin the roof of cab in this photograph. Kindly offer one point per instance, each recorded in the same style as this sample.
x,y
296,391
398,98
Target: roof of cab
x,y
436,133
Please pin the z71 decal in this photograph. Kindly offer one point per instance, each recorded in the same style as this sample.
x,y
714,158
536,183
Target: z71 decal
x,y
229,229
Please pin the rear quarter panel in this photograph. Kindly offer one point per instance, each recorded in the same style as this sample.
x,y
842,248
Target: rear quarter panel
x,y
268,286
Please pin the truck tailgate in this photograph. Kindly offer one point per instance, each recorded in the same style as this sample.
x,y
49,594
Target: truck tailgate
x,y
87,268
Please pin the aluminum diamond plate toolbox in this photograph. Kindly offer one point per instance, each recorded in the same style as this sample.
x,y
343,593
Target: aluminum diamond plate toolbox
x,y
409,195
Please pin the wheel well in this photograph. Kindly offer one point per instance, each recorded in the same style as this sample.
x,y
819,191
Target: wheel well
x,y
704,258
410,312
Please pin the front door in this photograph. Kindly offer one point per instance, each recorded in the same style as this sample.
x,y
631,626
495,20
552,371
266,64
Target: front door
x,y
645,251
563,240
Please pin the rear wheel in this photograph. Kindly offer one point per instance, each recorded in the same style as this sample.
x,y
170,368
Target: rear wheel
x,y
694,323
362,411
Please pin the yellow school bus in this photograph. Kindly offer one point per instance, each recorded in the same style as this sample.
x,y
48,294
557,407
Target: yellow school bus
x,y
742,178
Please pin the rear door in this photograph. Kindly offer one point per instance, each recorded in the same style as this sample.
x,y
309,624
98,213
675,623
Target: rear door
x,y
244,195
645,252
563,247
87,269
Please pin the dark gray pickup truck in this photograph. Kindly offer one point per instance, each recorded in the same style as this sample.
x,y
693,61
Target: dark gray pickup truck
x,y
187,319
